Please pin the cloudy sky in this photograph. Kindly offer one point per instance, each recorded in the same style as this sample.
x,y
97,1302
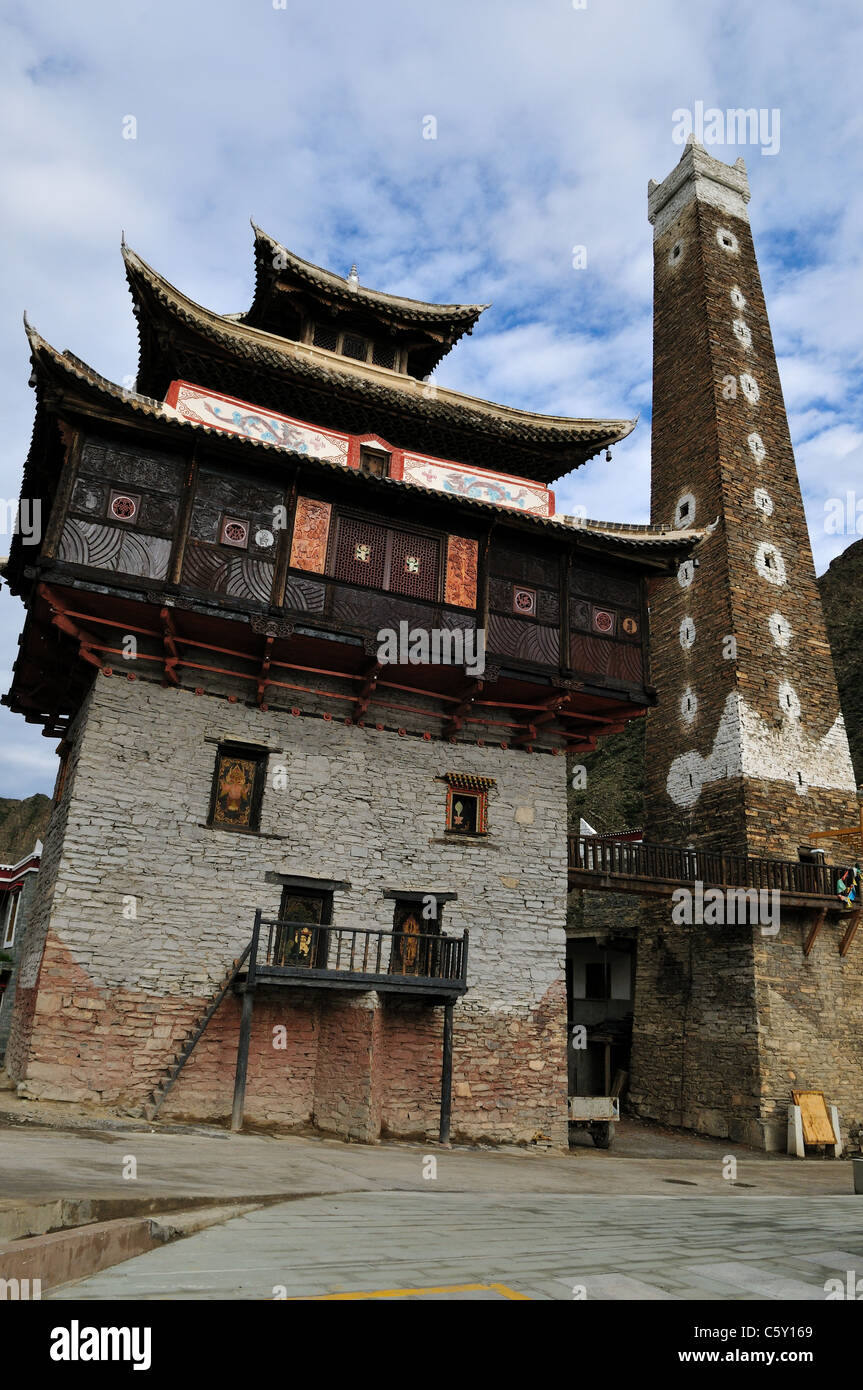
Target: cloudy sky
x,y
550,119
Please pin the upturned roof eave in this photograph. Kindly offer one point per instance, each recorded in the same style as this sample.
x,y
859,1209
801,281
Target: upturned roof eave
x,y
659,541
412,312
559,434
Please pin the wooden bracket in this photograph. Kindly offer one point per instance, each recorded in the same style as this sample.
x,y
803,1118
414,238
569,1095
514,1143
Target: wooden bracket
x,y
814,930
850,932
169,643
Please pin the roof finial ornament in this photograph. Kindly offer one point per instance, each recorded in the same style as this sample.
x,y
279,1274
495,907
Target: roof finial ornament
x,y
353,278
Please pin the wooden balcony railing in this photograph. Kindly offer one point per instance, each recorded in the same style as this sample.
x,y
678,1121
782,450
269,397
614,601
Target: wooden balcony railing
x,y
631,862
297,952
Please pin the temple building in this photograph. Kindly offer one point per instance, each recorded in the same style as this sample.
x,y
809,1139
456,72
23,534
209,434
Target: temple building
x,y
316,647
322,659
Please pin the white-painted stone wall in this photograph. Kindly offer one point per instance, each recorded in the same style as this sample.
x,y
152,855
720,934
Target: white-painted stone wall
x,y
362,806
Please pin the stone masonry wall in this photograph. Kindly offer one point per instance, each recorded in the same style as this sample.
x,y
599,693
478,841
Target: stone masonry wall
x,y
116,992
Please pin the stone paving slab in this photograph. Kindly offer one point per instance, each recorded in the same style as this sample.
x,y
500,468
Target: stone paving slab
x,y
537,1246
42,1165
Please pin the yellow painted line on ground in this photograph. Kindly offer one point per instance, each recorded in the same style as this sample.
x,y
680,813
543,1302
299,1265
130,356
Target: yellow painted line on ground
x,y
412,1293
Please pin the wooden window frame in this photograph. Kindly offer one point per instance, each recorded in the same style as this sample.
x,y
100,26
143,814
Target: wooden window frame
x,y
480,796
11,919
324,895
340,514
248,752
368,451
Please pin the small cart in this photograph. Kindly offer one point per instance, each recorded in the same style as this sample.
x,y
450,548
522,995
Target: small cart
x,y
598,1114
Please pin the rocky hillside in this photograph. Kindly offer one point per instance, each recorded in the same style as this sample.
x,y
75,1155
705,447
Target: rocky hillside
x,y
22,823
842,598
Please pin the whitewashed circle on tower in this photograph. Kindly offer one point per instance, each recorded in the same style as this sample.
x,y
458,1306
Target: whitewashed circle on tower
x,y
756,445
763,501
685,574
770,564
688,705
684,512
738,299
780,629
789,702
686,778
727,240
749,387
687,633
742,332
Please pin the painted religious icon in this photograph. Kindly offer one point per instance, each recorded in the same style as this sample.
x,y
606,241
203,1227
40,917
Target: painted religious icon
x,y
299,939
413,952
235,791
237,788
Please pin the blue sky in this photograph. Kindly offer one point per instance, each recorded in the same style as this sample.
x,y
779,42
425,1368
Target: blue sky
x,y
550,120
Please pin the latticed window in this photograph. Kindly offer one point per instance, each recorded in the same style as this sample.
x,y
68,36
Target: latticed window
x,y
361,552
384,355
326,336
354,346
381,557
415,564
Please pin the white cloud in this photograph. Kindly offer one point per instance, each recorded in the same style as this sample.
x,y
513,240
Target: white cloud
x,y
550,122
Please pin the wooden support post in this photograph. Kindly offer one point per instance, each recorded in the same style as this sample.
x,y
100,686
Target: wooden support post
x,y
446,1074
850,933
245,1032
814,930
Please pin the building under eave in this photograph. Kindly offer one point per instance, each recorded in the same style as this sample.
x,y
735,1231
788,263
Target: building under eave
x,y
315,643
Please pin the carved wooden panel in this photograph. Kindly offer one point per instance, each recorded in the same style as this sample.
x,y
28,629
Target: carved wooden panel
x,y
461,571
305,594
510,597
598,657
114,548
604,587
140,488
311,534
528,641
375,610
219,494
527,567
138,468
223,571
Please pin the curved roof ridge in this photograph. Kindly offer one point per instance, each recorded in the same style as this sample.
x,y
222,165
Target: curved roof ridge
x,y
607,431
331,280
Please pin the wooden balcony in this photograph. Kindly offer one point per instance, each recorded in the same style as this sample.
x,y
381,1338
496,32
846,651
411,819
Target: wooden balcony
x,y
624,866
425,965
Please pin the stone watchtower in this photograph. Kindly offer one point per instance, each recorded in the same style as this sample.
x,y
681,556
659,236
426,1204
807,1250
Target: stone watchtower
x,y
746,750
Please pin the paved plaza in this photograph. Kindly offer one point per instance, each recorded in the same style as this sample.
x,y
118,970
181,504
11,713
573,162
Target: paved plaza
x,y
661,1216
382,1244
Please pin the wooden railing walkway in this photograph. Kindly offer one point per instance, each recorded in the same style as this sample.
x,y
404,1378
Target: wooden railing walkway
x,y
628,866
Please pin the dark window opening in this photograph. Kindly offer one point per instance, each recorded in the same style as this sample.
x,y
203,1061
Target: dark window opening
x,y
376,461
326,336
415,946
466,811
384,355
301,937
238,788
597,980
354,346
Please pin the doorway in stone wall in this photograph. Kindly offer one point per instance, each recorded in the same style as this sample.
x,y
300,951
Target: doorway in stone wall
x,y
600,979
